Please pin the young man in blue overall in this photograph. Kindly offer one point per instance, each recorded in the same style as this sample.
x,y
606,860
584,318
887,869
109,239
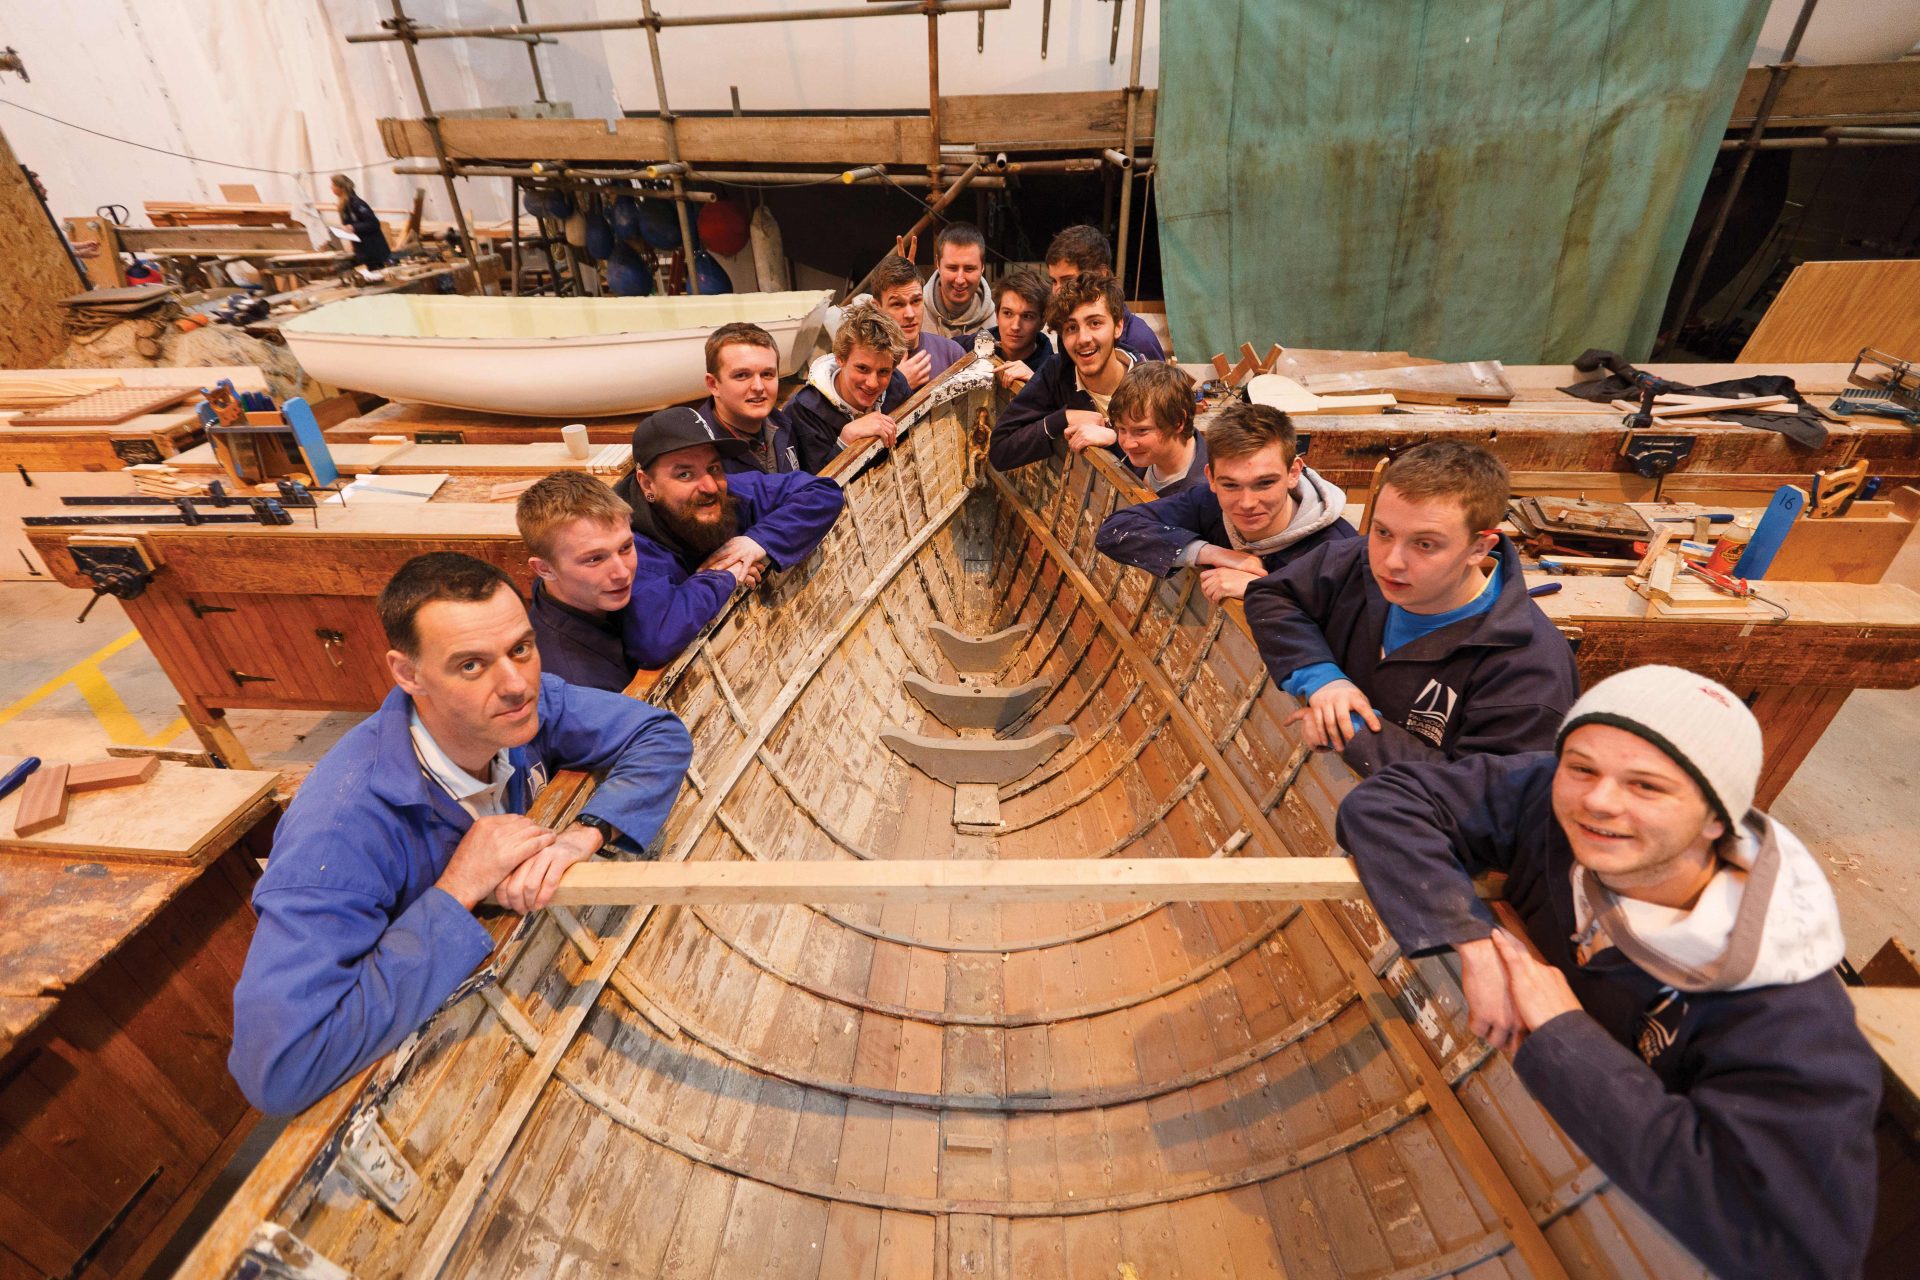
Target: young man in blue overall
x,y
366,909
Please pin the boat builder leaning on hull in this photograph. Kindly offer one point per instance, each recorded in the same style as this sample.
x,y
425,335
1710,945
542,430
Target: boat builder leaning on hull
x,y
1018,329
1686,1029
1261,508
701,535
1086,251
1403,647
1064,406
743,383
897,291
366,908
580,536
851,389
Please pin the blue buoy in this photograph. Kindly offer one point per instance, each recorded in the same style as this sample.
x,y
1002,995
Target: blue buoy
x,y
599,236
713,277
659,225
627,273
626,217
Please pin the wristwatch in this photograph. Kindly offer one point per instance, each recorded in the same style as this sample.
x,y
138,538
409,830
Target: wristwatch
x,y
608,832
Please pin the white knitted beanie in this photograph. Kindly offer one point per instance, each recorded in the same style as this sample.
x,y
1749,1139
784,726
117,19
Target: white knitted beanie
x,y
1703,726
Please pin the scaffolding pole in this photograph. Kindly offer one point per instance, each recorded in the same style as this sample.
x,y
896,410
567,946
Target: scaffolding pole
x,y
672,140
1125,160
404,27
907,8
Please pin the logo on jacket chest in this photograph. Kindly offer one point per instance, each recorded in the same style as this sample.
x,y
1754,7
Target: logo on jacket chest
x,y
1659,1026
1427,718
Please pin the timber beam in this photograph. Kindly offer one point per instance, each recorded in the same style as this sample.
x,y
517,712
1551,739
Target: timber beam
x,y
971,881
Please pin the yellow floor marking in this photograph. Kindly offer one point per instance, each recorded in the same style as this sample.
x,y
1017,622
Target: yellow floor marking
x,y
122,727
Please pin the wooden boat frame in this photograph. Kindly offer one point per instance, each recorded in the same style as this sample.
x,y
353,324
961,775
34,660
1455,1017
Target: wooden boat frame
x,y
1245,1089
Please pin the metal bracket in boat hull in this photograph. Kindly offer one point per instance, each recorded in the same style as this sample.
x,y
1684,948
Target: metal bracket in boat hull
x,y
956,761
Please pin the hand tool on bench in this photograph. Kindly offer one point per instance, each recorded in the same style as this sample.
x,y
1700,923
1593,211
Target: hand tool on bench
x,y
1835,490
17,775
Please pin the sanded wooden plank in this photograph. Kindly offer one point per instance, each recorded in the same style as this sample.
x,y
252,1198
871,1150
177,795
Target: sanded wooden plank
x,y
973,881
1829,310
172,818
105,775
42,801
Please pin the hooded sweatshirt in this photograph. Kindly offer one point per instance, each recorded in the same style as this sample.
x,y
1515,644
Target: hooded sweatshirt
x,y
937,319
1169,533
673,597
818,412
1497,680
1034,426
1718,1078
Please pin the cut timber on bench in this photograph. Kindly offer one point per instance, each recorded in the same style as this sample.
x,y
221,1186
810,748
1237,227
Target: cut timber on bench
x,y
107,774
43,801
958,761
971,881
977,653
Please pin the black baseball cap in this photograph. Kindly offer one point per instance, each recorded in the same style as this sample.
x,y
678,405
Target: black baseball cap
x,y
681,428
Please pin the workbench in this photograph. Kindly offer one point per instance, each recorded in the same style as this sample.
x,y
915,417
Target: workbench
x,y
431,424
41,464
116,1015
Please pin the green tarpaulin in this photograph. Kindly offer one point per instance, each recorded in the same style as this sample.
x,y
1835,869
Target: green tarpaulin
x,y
1465,179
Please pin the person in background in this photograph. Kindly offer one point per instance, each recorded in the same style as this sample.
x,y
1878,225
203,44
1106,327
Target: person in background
x,y
1018,332
1683,1022
579,534
743,382
850,389
897,292
1151,414
370,238
1261,508
1402,645
1085,250
366,910
701,535
960,302
1064,406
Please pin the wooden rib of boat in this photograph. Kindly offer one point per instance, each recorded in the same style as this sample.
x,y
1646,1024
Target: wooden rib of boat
x,y
914,1090
544,357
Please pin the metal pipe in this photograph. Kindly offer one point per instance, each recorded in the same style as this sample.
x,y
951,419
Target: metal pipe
x,y
671,137
873,175
1118,159
1133,116
1775,81
404,25
557,171
533,58
654,23
513,211
1819,142
947,197
933,95
1891,133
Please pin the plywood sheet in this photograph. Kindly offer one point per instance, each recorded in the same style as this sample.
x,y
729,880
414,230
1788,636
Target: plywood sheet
x,y
172,818
1829,310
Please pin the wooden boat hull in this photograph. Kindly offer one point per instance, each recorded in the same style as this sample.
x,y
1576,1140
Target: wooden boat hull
x,y
544,357
1023,1090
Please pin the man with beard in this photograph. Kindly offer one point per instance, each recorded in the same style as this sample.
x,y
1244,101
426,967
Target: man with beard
x,y
417,816
851,389
743,381
1261,508
1064,406
700,534
1683,1022
1456,658
959,302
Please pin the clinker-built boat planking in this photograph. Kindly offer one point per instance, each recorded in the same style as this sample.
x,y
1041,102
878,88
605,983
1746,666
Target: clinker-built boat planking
x,y
1031,1090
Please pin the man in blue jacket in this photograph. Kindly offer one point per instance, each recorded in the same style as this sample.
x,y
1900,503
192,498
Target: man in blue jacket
x,y
1260,509
417,817
852,390
743,384
580,536
1086,251
1402,645
701,534
1064,405
1018,330
1686,1028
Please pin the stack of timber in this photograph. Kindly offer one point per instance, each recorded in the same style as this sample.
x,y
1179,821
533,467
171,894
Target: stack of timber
x,y
988,1088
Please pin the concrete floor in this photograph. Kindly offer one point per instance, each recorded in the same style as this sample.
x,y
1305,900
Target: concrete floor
x,y
69,692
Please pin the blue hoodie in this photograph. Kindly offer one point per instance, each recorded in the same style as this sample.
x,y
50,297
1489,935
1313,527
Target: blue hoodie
x,y
355,948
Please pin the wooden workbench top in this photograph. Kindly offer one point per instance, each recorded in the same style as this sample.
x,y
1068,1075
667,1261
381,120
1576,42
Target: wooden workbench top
x,y
535,459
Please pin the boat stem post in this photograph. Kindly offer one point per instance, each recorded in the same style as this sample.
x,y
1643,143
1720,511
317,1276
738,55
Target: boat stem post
x,y
671,135
403,25
1126,163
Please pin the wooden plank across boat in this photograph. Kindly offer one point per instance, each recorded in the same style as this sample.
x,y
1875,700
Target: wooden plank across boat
x,y
913,1088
